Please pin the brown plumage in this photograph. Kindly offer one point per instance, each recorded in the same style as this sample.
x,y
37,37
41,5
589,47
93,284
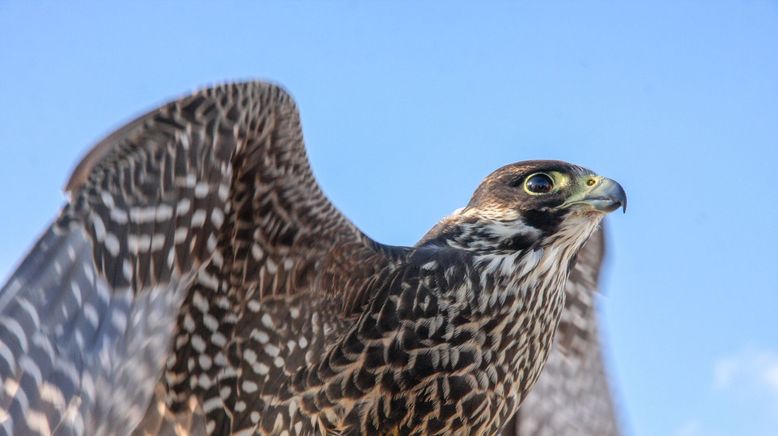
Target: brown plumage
x,y
198,281
572,396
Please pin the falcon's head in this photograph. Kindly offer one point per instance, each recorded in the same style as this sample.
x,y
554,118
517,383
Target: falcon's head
x,y
523,204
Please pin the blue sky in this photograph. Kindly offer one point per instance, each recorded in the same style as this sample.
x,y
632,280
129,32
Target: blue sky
x,y
406,107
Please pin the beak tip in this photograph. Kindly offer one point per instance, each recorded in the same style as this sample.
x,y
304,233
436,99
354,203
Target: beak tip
x,y
619,194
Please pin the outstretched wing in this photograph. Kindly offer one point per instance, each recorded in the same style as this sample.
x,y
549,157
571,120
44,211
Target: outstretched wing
x,y
212,192
572,395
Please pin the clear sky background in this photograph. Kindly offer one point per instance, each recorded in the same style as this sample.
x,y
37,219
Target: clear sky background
x,y
406,107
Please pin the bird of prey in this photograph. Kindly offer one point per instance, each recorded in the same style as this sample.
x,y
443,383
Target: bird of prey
x,y
198,281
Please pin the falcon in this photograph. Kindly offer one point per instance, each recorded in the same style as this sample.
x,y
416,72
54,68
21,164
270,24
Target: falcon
x,y
199,282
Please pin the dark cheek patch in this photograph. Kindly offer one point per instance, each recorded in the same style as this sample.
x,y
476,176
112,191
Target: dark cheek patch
x,y
547,221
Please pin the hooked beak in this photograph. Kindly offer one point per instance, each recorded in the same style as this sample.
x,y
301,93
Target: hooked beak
x,y
605,195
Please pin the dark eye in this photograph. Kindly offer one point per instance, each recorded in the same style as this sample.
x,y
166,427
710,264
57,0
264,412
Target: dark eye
x,y
539,184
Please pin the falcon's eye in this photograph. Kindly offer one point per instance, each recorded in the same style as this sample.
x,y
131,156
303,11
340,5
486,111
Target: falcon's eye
x,y
539,184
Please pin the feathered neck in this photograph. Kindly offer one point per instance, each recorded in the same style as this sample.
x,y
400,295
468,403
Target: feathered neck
x,y
472,230
510,238
513,258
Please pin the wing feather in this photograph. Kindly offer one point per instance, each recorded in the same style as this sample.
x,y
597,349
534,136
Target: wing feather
x,y
213,190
